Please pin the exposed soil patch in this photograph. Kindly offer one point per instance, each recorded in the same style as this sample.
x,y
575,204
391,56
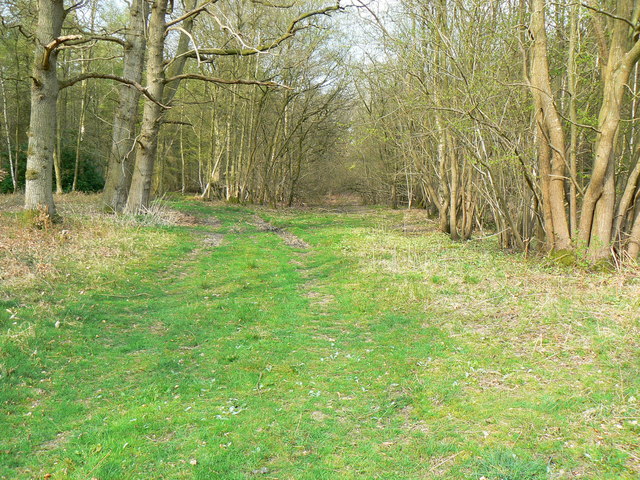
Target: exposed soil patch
x,y
209,239
292,241
318,416
213,239
60,439
212,222
288,238
187,220
158,328
319,299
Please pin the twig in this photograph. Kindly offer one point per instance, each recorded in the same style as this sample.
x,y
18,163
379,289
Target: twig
x,y
106,76
442,462
124,296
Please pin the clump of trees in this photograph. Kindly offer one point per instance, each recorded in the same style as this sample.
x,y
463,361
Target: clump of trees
x,y
227,88
518,114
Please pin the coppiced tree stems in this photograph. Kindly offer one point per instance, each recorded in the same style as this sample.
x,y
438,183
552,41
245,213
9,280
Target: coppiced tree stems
x,y
551,141
437,64
596,219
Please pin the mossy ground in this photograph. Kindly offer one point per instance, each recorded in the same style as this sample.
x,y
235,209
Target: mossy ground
x,y
212,349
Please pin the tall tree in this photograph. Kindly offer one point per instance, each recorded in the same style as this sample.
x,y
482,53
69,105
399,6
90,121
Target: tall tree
x,y
44,96
147,146
119,168
551,152
147,143
44,93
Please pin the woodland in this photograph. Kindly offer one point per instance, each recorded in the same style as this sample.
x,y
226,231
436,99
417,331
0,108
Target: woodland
x,y
515,117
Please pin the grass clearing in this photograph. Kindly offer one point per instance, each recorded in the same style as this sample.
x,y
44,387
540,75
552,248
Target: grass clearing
x,y
372,348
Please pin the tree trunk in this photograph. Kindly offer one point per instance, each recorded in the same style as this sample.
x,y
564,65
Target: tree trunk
x,y
553,162
183,180
573,117
57,154
627,198
12,169
599,198
633,244
119,169
44,96
147,145
60,127
453,189
80,134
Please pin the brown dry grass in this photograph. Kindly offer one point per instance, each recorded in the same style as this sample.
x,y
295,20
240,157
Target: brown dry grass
x,y
96,241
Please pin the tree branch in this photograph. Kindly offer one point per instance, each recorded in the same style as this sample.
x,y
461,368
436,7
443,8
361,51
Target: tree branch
x,y
51,46
183,31
273,5
75,6
195,11
601,39
292,29
90,38
106,76
632,55
18,26
238,81
609,14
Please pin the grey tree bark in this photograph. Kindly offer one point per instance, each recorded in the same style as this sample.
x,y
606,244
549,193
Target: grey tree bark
x,y
119,169
44,95
140,190
147,144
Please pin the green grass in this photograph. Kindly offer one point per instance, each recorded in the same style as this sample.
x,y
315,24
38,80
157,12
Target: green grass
x,y
372,354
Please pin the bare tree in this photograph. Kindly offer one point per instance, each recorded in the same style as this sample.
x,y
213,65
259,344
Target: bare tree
x,y
157,82
119,168
44,94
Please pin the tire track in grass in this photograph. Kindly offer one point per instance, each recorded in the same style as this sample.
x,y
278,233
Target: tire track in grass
x,y
318,300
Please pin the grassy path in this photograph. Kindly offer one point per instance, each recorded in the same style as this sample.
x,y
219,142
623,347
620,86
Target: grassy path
x,y
358,352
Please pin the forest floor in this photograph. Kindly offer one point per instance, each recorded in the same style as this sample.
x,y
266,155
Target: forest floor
x,y
223,342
